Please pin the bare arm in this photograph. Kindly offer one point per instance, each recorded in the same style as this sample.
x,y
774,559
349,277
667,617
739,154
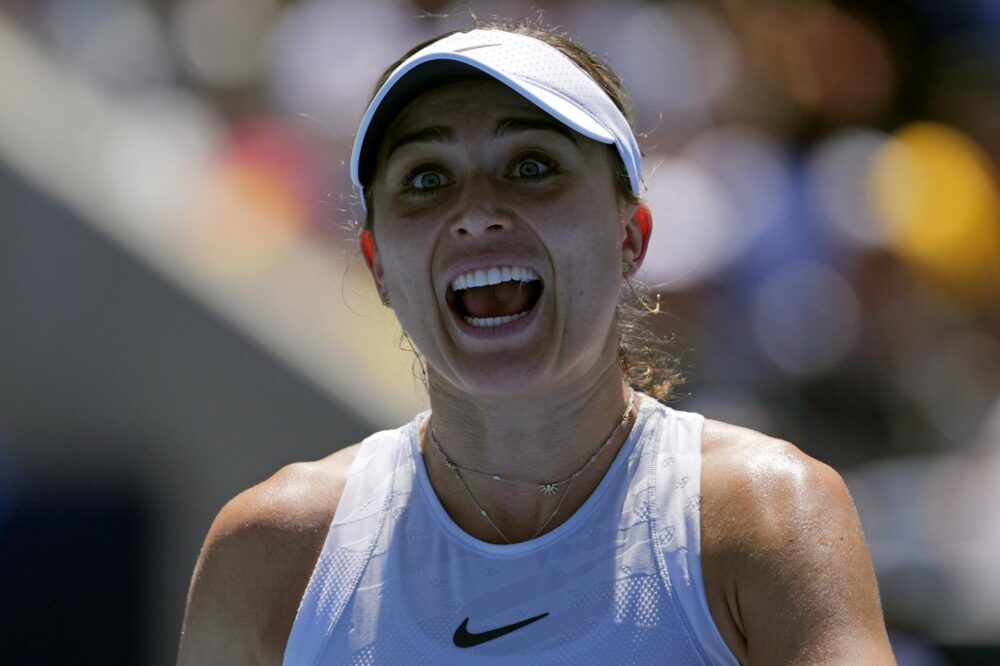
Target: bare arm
x,y
788,574
254,567
222,622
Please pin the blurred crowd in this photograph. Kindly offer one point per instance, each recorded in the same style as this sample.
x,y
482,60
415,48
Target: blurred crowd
x,y
823,179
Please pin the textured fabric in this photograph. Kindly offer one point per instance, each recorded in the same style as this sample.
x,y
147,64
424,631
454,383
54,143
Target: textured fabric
x,y
620,580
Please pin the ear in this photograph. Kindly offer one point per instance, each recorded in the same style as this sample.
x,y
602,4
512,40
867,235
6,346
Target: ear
x,y
372,259
637,231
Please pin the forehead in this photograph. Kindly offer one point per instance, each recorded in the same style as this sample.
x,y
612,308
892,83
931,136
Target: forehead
x,y
463,103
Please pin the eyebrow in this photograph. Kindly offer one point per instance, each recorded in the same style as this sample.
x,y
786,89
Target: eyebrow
x,y
511,125
434,133
506,127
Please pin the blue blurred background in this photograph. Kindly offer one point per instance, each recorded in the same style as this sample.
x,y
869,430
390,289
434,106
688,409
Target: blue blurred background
x,y
183,309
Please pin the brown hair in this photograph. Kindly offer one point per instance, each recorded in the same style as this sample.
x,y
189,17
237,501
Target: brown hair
x,y
646,364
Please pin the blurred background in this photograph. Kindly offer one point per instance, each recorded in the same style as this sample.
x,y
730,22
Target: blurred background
x,y
183,309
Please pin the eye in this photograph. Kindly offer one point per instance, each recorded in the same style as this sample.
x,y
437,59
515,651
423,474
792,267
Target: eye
x,y
533,167
425,180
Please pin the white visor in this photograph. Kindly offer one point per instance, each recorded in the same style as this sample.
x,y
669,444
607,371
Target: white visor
x,y
541,73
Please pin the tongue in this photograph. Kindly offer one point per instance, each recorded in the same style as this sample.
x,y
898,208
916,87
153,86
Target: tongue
x,y
496,300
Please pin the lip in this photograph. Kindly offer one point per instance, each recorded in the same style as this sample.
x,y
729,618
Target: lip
x,y
486,261
496,332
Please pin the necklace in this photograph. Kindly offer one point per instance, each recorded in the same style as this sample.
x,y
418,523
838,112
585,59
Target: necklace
x,y
547,489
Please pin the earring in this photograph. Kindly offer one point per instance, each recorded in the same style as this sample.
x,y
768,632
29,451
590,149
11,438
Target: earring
x,y
385,299
626,266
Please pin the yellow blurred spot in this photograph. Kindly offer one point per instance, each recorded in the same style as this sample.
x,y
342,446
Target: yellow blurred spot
x,y
935,193
246,217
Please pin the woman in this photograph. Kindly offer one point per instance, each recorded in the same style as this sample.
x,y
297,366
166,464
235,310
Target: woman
x,y
542,511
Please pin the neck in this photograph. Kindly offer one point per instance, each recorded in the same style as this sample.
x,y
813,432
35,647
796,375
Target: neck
x,y
539,438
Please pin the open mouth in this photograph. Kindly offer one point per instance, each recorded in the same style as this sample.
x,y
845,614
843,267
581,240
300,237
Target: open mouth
x,y
495,297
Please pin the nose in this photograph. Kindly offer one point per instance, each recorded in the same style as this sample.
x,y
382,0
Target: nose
x,y
478,220
479,214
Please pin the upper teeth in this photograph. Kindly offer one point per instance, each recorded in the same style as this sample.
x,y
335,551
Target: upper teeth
x,y
481,277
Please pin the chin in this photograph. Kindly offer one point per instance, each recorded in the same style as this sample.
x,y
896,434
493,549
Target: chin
x,y
513,375
521,363
498,376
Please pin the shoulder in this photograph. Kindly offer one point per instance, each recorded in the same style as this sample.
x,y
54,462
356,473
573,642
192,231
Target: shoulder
x,y
256,562
297,499
745,470
758,490
787,572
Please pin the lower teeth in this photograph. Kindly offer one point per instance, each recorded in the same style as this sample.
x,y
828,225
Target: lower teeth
x,y
488,322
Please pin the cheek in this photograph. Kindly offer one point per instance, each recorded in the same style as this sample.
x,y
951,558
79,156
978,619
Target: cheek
x,y
588,291
406,270
405,267
397,239
586,241
402,266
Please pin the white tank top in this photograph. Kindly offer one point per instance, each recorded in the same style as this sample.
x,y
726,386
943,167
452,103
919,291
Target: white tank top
x,y
398,582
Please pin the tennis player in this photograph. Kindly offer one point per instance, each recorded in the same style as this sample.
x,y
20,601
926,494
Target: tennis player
x,y
549,508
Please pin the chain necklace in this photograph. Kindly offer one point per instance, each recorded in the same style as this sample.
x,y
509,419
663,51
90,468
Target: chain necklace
x,y
547,489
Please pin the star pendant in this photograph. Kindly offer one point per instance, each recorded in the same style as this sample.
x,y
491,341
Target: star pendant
x,y
549,488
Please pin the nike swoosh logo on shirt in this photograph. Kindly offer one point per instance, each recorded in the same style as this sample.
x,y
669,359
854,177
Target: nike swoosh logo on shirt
x,y
464,639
